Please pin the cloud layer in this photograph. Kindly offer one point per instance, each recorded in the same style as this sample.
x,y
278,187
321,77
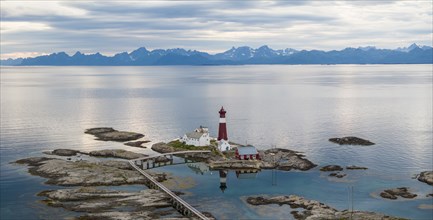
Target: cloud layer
x,y
213,26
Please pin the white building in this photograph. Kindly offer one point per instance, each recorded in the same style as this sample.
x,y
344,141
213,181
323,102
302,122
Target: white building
x,y
224,145
200,137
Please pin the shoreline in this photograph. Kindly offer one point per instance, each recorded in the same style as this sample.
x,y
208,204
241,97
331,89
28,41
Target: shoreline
x,y
113,166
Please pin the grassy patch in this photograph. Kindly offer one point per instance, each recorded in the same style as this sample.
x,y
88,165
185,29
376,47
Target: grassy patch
x,y
182,146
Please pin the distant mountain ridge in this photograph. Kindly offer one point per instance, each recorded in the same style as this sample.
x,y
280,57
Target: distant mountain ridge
x,y
413,54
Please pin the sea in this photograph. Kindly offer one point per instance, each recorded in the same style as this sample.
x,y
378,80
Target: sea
x,y
297,107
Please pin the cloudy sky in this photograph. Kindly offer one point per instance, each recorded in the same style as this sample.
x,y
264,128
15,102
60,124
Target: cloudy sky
x,y
31,28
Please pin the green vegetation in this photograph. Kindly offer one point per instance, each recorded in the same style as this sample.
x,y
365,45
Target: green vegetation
x,y
178,145
229,154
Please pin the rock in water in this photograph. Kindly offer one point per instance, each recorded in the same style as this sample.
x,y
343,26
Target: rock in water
x,y
331,168
426,177
136,143
338,175
65,152
284,159
394,193
110,134
314,209
353,167
351,141
163,148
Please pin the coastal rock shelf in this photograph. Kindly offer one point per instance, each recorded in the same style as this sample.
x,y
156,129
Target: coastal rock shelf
x,y
282,159
82,173
113,153
116,153
351,141
109,134
394,193
106,204
315,210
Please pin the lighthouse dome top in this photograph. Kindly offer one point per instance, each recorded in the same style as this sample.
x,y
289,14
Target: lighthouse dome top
x,y
222,111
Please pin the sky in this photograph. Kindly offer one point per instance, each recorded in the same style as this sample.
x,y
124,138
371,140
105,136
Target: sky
x,y
32,28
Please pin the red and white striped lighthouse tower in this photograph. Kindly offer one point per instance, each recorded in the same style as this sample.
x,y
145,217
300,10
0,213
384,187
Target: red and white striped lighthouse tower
x,y
223,143
222,131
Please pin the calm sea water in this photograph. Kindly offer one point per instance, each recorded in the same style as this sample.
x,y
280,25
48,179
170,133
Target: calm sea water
x,y
294,107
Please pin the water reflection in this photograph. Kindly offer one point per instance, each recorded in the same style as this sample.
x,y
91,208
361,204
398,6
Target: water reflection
x,y
201,168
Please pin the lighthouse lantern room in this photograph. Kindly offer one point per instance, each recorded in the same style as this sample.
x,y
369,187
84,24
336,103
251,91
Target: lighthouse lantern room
x,y
223,142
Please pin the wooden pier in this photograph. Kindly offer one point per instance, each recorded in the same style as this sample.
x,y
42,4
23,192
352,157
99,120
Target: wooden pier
x,y
178,203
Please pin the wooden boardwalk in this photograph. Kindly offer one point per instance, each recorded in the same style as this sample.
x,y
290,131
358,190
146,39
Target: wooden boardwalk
x,y
178,203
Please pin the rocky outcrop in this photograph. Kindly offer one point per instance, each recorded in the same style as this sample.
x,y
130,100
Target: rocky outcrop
x,y
109,134
34,161
163,148
353,167
65,152
123,165
351,141
331,168
236,164
284,159
315,210
394,193
116,153
111,204
136,143
426,177
82,173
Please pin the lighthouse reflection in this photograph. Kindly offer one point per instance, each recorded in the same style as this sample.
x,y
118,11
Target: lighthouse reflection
x,y
202,169
240,174
223,180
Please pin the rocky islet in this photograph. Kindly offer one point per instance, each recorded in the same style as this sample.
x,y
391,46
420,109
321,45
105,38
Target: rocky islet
x,y
110,134
397,192
312,209
351,140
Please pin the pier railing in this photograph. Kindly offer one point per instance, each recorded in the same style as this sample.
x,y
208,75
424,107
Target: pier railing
x,y
178,203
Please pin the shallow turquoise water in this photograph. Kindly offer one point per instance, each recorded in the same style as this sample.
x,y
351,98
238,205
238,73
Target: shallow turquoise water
x,y
295,107
311,185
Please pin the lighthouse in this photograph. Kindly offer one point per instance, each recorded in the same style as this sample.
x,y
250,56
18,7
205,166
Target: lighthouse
x,y
223,180
223,142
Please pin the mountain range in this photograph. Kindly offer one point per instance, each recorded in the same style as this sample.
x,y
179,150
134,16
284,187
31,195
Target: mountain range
x,y
413,54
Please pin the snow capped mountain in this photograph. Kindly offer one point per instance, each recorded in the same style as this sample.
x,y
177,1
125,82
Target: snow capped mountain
x,y
233,56
367,48
245,53
412,47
